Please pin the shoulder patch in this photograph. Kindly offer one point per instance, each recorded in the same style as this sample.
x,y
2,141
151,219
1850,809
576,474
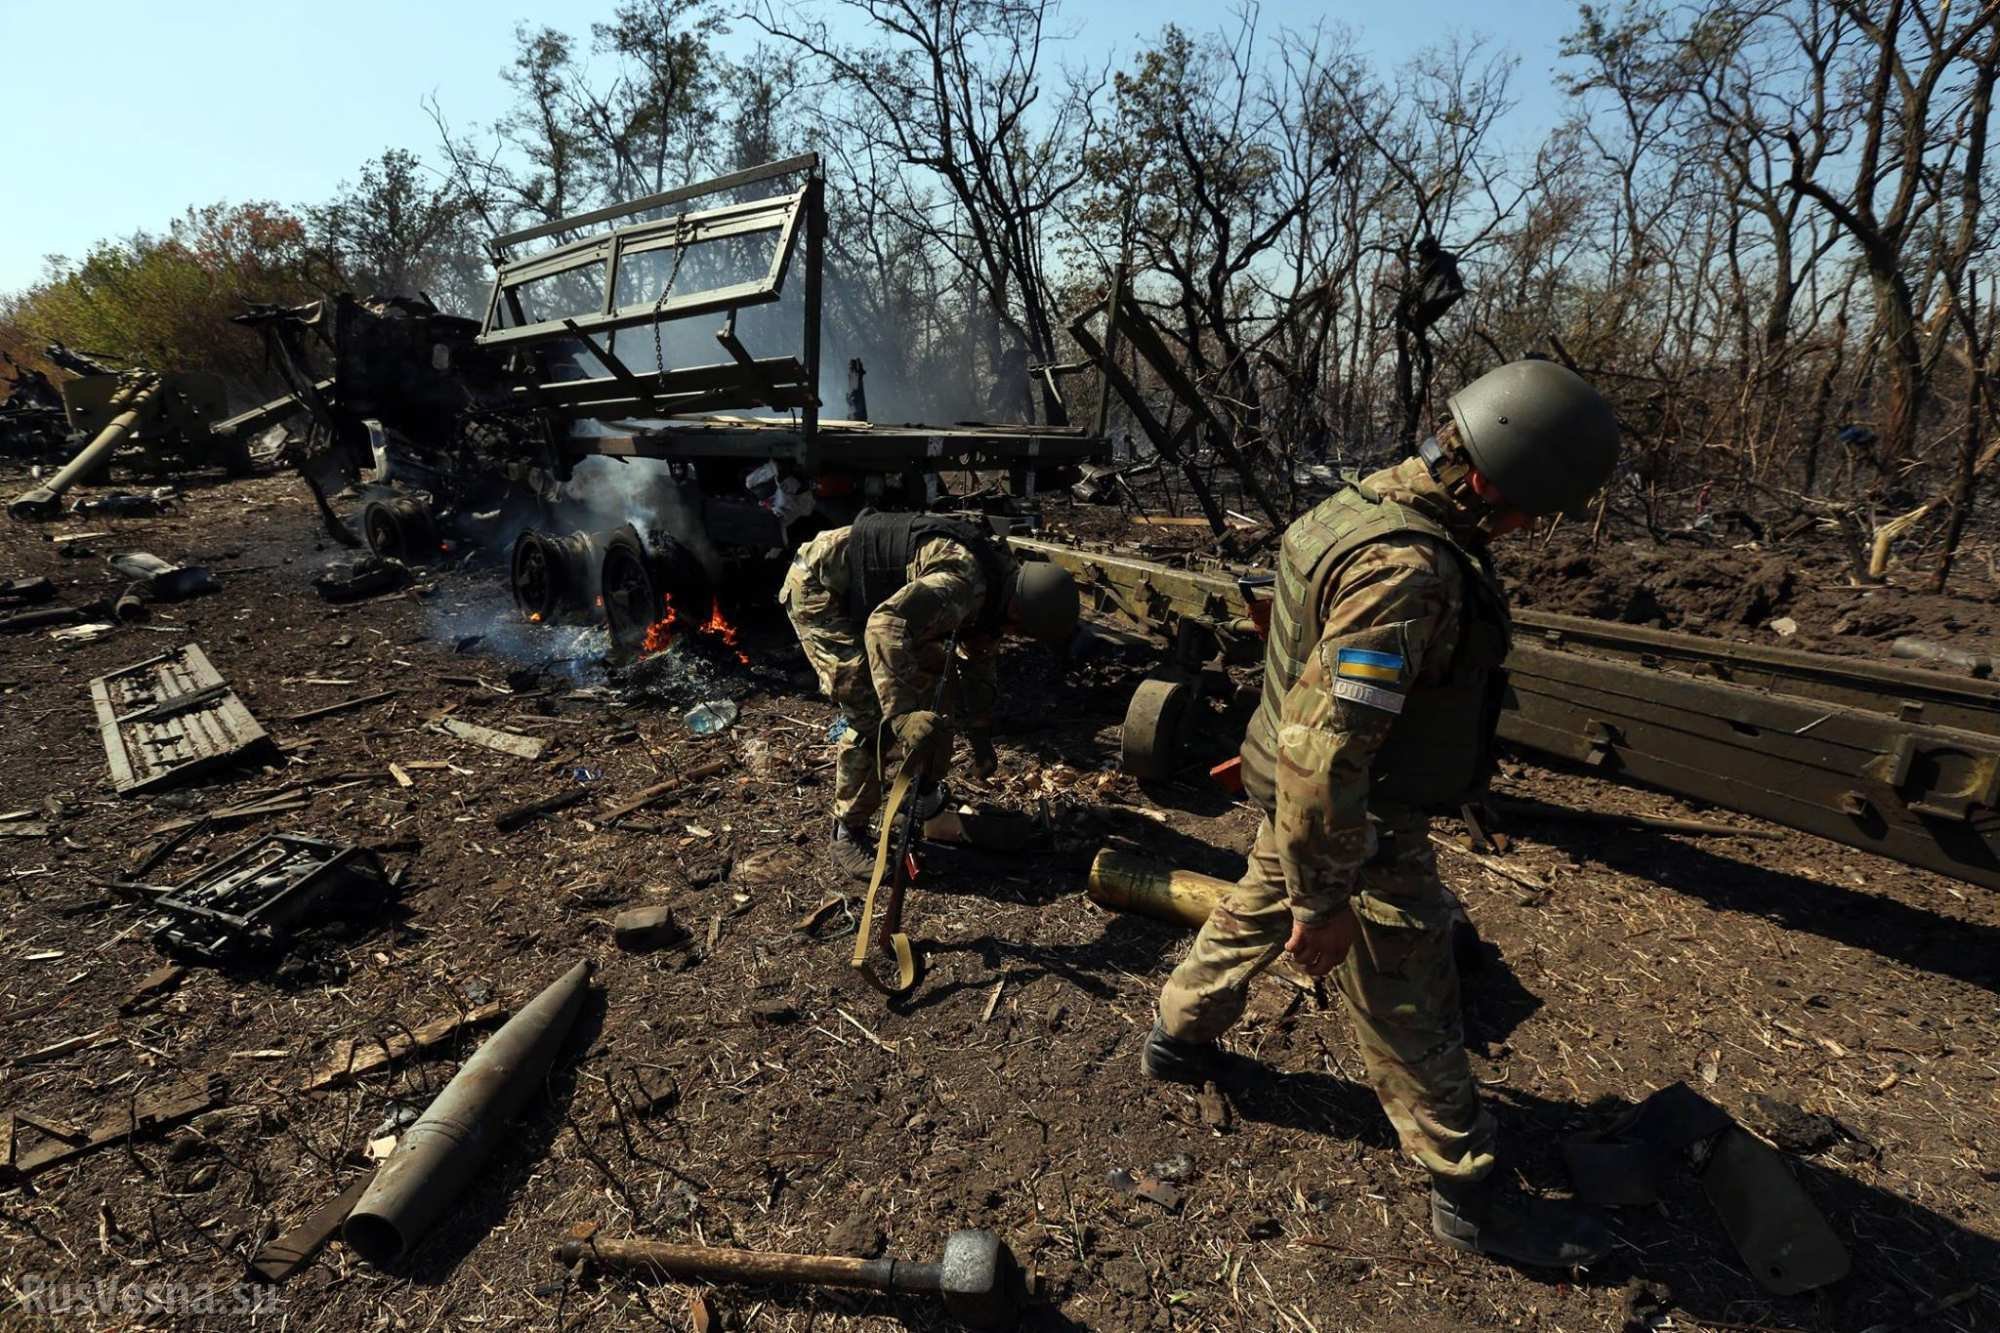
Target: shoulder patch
x,y
1373,696
1364,664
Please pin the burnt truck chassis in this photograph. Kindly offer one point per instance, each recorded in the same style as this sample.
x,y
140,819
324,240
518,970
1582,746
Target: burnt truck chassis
x,y
463,432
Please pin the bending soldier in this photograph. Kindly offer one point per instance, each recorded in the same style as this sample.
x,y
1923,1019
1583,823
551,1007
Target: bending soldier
x,y
1382,683
877,606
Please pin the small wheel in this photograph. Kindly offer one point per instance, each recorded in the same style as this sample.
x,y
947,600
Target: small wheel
x,y
534,586
1155,721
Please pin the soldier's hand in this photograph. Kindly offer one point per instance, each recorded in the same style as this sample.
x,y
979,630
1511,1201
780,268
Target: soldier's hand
x,y
1319,949
985,759
925,738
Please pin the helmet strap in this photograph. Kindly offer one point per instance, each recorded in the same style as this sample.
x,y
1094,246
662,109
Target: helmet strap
x,y
1451,471
1433,457
1449,468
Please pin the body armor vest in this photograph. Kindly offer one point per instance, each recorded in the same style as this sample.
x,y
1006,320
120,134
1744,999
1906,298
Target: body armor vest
x,y
1439,748
881,546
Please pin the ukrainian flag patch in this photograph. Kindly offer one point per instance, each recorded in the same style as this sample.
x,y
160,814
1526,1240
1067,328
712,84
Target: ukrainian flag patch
x,y
1362,664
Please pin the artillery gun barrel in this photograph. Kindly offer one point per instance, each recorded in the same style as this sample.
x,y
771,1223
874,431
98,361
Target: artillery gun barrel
x,y
134,400
264,416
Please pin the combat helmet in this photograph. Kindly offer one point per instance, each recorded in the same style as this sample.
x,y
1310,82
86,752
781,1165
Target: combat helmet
x,y
1539,432
1044,601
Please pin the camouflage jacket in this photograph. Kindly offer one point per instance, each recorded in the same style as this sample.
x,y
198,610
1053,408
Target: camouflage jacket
x,y
1403,597
906,635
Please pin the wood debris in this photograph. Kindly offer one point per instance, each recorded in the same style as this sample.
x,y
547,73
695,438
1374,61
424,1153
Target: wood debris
x,y
361,1054
506,742
149,1114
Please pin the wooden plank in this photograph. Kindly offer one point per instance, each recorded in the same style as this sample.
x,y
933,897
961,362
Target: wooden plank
x,y
162,1110
286,1255
506,742
264,805
529,811
329,710
160,979
360,1055
660,789
67,1046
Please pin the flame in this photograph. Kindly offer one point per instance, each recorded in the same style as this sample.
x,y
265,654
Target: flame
x,y
661,632
718,627
534,617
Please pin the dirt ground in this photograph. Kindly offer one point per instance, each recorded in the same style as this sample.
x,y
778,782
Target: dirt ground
x,y
742,1089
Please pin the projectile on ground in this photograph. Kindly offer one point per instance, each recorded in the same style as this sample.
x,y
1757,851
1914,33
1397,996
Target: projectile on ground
x,y
454,1135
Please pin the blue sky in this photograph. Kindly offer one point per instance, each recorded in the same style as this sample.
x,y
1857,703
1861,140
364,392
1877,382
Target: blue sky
x,y
127,111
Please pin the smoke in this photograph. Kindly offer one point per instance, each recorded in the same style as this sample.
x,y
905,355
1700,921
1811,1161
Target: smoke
x,y
925,364
480,617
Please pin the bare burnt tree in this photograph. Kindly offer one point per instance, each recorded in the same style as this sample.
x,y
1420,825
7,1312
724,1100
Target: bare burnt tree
x,y
537,161
1913,84
1432,133
568,144
1211,169
955,94
653,122
1761,230
1741,180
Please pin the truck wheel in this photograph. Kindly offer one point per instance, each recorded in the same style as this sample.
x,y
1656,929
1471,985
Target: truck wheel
x,y
401,529
555,578
645,583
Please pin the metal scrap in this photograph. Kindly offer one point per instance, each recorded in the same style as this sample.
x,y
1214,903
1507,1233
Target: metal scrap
x,y
170,719
26,591
252,900
280,1258
162,581
356,579
1782,1238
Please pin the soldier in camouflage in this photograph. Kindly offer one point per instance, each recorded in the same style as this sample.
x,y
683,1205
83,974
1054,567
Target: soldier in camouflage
x,y
879,607
1382,682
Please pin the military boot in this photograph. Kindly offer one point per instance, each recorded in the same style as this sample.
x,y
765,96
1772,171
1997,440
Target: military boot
x,y
1481,1217
1175,1060
849,852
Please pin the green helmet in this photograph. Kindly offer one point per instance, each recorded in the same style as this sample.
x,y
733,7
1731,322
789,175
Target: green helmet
x,y
1539,433
1044,602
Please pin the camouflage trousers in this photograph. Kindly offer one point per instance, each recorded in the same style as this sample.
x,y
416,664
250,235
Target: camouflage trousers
x,y
1400,982
815,597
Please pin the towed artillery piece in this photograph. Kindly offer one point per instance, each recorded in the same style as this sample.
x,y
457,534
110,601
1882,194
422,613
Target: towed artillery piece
x,y
1881,756
175,419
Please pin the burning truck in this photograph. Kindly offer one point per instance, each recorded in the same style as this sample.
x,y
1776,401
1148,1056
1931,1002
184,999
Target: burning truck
x,y
634,416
